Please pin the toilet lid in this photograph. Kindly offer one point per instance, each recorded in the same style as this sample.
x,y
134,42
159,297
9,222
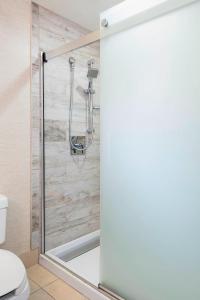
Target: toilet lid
x,y
12,272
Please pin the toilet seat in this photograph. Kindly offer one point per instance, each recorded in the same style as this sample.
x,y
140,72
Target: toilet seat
x,y
12,273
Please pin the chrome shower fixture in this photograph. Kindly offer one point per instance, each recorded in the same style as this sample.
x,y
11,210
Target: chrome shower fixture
x,y
79,144
92,74
72,62
92,71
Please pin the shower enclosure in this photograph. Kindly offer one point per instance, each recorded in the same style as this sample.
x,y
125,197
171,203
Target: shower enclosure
x,y
150,122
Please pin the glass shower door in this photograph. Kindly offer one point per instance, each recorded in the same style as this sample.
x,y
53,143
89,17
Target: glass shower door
x,y
150,157
71,161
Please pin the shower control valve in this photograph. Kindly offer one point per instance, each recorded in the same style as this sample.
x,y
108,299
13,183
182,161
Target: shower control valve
x,y
89,91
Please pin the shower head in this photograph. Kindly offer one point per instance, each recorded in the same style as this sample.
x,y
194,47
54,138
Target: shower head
x,y
92,73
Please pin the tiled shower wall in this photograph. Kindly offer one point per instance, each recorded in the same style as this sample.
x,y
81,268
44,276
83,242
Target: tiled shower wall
x,y
71,182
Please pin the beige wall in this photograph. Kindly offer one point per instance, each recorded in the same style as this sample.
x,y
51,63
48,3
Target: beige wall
x,y
15,19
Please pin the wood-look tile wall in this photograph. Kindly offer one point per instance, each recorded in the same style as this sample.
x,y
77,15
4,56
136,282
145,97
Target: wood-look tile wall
x,y
72,183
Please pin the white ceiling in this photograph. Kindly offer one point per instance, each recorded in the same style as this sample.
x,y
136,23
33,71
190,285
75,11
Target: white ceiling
x,y
84,12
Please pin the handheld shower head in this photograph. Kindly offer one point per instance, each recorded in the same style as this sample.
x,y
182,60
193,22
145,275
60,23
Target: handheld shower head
x,y
92,71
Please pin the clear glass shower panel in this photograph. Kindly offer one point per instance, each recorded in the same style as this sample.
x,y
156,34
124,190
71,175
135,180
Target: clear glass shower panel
x,y
71,177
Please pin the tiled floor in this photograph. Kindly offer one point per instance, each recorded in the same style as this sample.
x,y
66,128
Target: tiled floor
x,y
45,286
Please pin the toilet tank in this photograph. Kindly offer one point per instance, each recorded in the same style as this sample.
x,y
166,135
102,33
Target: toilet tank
x,y
3,214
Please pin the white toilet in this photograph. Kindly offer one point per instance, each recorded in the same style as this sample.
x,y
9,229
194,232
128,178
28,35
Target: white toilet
x,y
13,279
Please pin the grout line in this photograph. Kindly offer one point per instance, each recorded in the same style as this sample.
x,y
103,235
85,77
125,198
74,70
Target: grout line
x,y
34,282
50,283
34,292
41,287
64,284
48,294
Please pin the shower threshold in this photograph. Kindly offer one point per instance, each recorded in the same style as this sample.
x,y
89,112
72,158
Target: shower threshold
x,y
80,256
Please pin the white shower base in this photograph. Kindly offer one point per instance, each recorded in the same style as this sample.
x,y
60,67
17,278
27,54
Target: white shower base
x,y
80,256
86,265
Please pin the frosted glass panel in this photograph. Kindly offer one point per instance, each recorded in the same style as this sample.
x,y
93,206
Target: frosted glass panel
x,y
150,159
